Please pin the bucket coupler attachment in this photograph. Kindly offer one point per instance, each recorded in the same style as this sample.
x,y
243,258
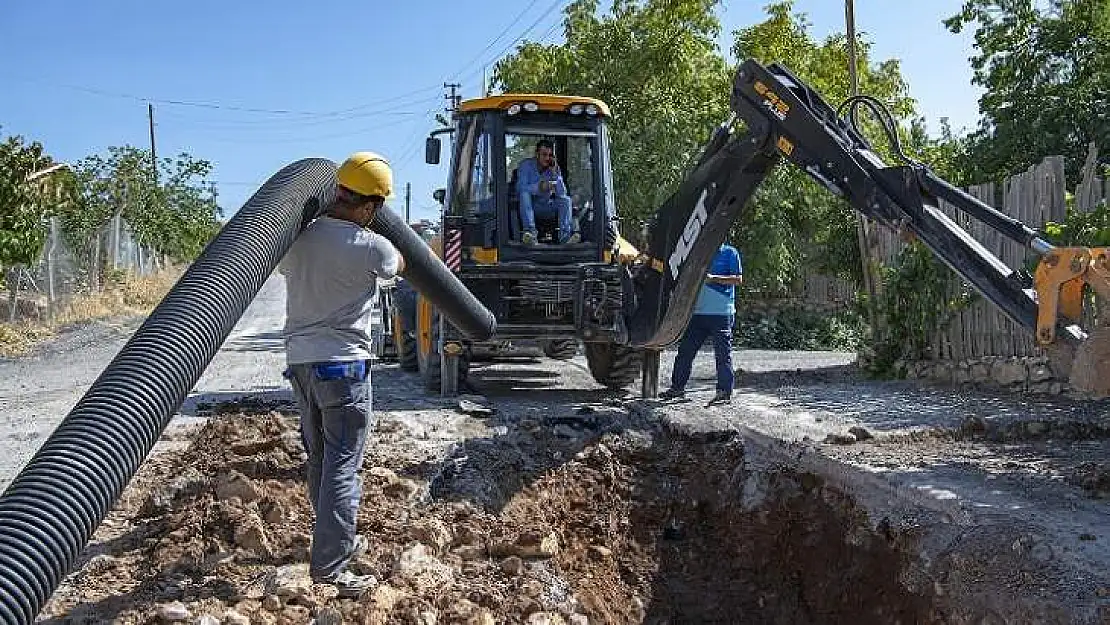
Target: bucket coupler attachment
x,y
1059,280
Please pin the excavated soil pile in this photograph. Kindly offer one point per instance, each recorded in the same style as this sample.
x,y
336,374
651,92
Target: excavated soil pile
x,y
628,526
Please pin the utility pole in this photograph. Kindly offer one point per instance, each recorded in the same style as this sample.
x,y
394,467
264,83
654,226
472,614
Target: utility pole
x,y
408,200
863,224
453,98
153,155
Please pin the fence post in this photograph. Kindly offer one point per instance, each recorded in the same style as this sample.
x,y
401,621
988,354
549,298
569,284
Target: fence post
x,y
94,269
51,248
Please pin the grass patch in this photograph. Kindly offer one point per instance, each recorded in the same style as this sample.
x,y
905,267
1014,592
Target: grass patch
x,y
123,295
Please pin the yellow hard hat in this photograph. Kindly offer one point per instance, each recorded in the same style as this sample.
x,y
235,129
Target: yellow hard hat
x,y
367,173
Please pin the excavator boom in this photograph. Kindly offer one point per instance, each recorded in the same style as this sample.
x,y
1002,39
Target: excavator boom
x,y
786,120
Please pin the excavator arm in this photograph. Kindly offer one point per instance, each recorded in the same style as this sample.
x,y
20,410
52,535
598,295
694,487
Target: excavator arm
x,y
785,120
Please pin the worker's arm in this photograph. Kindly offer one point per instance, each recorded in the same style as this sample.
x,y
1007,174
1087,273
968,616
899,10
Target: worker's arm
x,y
384,259
560,184
734,269
729,280
528,178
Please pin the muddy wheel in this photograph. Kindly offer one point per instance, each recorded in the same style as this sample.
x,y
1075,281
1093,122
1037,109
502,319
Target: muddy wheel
x,y
404,342
427,351
563,349
614,366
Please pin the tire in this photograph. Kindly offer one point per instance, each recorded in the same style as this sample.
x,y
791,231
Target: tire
x,y
430,367
561,349
611,365
404,326
406,351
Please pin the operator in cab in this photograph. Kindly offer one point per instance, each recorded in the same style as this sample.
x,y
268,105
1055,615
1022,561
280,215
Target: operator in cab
x,y
543,192
331,276
714,313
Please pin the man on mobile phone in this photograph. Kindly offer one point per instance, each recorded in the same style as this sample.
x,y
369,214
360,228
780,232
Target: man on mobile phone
x,y
543,192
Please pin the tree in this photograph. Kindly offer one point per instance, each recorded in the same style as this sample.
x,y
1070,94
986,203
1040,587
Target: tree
x,y
22,225
1046,72
656,64
191,215
173,214
22,231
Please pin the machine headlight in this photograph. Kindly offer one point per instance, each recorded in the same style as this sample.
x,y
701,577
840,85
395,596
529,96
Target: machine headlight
x,y
531,107
591,109
576,109
514,109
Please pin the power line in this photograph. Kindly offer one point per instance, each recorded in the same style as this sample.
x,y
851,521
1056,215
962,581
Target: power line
x,y
223,107
398,109
498,37
556,5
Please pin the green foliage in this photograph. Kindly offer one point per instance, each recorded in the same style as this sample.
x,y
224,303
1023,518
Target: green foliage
x,y
173,213
1081,229
1045,67
22,225
798,328
920,297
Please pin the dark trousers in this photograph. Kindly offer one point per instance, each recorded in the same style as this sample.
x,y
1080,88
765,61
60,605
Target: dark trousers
x,y
335,424
702,327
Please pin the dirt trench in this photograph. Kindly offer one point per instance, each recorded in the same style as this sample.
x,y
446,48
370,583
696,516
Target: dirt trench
x,y
623,524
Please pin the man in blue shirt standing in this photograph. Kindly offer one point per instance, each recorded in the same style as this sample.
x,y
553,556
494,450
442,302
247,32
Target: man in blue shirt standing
x,y
542,191
713,317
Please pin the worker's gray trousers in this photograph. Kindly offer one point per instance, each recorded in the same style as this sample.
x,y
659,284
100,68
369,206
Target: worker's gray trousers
x,y
335,423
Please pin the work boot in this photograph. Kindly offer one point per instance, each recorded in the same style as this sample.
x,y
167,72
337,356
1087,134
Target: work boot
x,y
362,544
572,239
722,397
352,586
672,393
528,238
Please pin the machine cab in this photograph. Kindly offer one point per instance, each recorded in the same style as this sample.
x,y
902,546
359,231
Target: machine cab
x,y
492,139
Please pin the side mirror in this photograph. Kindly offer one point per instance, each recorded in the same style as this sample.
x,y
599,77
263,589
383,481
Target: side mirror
x,y
439,195
431,150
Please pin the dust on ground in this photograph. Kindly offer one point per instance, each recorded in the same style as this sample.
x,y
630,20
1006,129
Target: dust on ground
x,y
599,517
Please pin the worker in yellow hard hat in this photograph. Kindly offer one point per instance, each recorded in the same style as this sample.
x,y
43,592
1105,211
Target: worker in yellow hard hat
x,y
331,276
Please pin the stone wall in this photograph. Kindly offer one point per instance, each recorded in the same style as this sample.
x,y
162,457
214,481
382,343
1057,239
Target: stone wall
x,y
1031,374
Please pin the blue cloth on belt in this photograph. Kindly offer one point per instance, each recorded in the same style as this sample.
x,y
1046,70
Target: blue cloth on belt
x,y
349,370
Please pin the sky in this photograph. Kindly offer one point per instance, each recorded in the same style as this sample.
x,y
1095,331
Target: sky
x,y
252,86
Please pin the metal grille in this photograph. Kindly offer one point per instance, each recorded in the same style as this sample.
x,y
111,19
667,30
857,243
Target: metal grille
x,y
549,291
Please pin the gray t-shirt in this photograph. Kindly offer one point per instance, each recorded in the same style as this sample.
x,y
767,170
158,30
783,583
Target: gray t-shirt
x,y
331,279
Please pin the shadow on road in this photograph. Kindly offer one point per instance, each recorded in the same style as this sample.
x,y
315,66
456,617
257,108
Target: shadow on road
x,y
204,404
270,342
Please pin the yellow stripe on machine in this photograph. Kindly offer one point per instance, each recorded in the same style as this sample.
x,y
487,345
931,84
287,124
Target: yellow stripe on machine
x,y
484,256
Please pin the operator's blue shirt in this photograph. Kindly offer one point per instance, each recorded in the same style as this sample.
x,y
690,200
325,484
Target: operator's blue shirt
x,y
720,299
529,177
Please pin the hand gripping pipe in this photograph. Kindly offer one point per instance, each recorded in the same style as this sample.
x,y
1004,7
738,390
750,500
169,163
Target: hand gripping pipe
x,y
51,509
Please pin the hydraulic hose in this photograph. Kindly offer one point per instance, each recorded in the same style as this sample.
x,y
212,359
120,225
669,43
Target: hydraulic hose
x,y
51,509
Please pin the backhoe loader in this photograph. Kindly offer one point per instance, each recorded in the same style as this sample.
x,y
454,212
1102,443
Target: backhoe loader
x,y
624,305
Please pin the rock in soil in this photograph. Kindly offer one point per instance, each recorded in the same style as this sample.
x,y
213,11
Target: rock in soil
x,y
172,612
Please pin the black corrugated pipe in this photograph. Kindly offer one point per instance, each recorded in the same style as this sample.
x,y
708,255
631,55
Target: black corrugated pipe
x,y
51,509
434,280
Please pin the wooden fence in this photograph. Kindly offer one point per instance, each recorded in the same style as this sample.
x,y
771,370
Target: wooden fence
x,y
1035,196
